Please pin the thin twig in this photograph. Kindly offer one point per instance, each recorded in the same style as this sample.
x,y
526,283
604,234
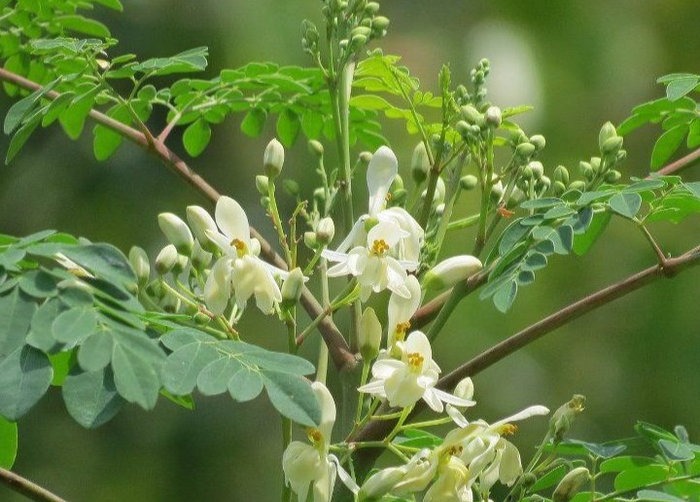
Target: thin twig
x,y
343,358
27,488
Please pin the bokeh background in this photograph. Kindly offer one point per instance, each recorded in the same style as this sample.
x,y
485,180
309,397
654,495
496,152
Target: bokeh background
x,y
580,64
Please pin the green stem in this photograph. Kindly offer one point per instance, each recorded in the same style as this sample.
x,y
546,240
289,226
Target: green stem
x,y
458,292
618,493
467,222
361,401
277,223
286,439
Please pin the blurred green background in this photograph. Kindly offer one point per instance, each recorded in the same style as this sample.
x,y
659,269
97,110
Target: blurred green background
x,y
580,63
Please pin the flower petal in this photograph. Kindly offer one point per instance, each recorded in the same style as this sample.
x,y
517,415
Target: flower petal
x,y
232,220
381,171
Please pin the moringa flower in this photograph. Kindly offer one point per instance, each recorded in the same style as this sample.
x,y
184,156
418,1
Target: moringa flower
x,y
412,377
239,269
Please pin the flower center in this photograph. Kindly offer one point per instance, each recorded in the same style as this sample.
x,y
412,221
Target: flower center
x,y
415,361
401,328
508,429
314,435
379,247
240,246
455,450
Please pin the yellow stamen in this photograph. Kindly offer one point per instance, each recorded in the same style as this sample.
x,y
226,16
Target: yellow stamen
x,y
402,327
379,247
240,246
456,450
415,361
314,435
508,429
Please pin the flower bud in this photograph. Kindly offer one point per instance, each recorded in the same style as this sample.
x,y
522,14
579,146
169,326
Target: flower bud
x,y
563,418
265,202
595,163
587,170
365,157
169,302
464,389
262,184
293,286
166,259
361,30
450,271
273,158
200,221
325,230
399,197
380,483
612,176
468,182
621,155
439,194
561,174
463,128
578,185
558,188
494,116
537,169
472,115
310,240
320,196
543,183
380,23
372,7
315,148
611,145
138,259
180,264
607,132
525,150
291,187
200,258
571,484
358,41
177,232
369,337
538,141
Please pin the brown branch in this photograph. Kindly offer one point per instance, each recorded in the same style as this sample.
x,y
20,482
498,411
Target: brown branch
x,y
343,358
378,429
27,488
680,164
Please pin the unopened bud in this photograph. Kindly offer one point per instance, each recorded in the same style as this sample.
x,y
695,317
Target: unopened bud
x,y
273,158
399,197
538,141
464,389
361,30
169,302
380,23
358,41
595,163
200,258
291,187
558,188
468,182
316,148
587,170
372,7
138,259
578,185
262,184
293,286
180,264
200,222
166,259
607,132
494,116
177,232
472,115
265,202
365,157
612,176
463,128
543,183
561,174
369,337
310,240
450,271
571,484
537,169
621,155
325,230
611,145
525,150
563,418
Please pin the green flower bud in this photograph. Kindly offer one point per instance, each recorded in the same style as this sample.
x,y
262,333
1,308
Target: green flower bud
x,y
166,259
200,258
201,319
180,264
310,240
587,170
372,8
468,182
606,132
320,196
595,163
527,173
273,158
621,155
265,202
176,231
315,148
558,188
543,184
361,30
380,23
293,286
200,221
494,116
358,41
365,157
463,128
611,145
450,271
561,174
612,176
528,479
538,141
138,259
369,337
472,115
290,186
577,185
537,169
169,302
325,231
439,194
525,150
563,418
262,184
397,184
570,484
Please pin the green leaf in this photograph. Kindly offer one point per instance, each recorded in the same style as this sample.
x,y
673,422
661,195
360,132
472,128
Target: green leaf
x,y
653,433
183,366
293,397
25,375
253,122
38,284
136,379
504,297
681,85
667,144
105,261
8,443
91,398
20,138
549,479
545,202
619,464
693,140
16,311
312,124
245,385
106,141
73,326
640,477
196,137
657,496
534,261
61,362
72,119
22,108
417,438
584,242
215,376
278,361
40,334
675,451
288,127
513,234
193,60
370,102
626,204
112,4
83,25
95,352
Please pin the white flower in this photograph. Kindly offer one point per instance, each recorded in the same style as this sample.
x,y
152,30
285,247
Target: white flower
x,y
382,169
404,381
488,455
451,270
401,310
373,265
240,268
309,466
452,483
465,390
